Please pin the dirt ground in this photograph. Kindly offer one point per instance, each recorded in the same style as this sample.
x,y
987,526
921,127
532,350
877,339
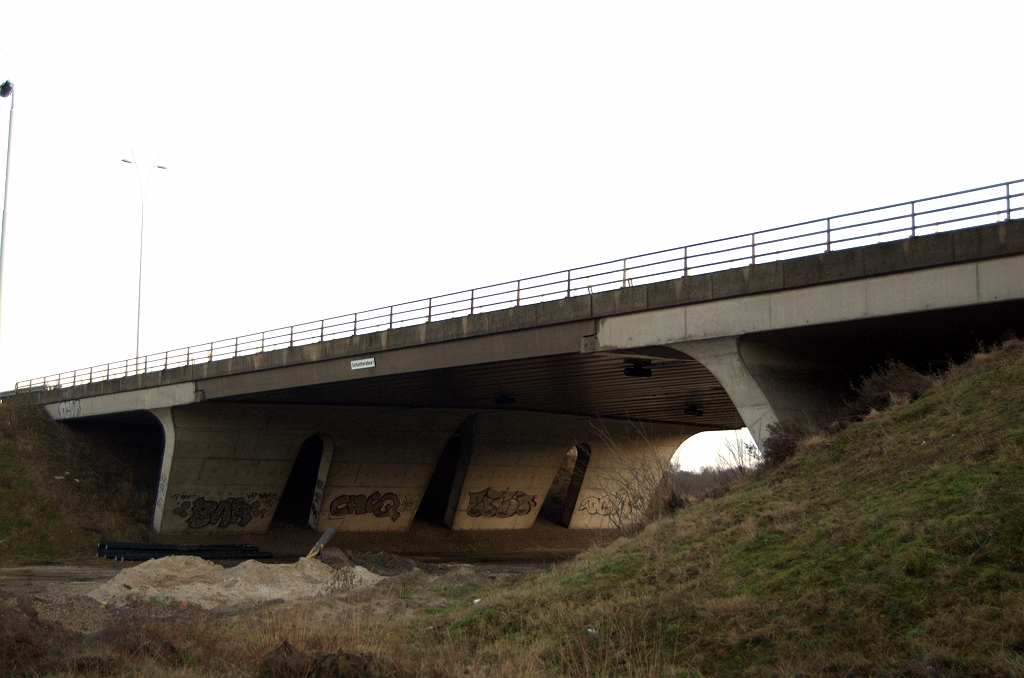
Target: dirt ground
x,y
94,612
103,610
544,542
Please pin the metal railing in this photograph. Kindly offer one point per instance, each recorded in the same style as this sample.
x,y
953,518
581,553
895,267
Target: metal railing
x,y
892,222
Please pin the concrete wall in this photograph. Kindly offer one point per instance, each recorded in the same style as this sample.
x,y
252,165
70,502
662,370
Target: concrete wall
x,y
381,467
627,461
513,458
226,465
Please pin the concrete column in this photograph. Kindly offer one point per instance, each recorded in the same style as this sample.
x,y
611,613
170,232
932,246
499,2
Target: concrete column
x,y
512,460
167,421
625,466
225,465
766,383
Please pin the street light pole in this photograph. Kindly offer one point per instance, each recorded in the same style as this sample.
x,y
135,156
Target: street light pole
x,y
6,90
142,229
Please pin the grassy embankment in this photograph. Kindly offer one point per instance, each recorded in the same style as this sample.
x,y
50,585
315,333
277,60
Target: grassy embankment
x,y
894,546
59,495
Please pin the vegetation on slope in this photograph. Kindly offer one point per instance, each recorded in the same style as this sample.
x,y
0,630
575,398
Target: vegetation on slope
x,y
58,494
891,546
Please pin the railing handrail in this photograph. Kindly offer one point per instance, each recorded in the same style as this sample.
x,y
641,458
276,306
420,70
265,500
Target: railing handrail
x,y
431,309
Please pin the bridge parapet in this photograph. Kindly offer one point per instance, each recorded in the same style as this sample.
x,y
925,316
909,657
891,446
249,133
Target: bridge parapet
x,y
736,266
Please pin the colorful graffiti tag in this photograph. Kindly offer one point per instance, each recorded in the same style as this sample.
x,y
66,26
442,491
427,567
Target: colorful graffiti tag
x,y
377,504
200,512
493,503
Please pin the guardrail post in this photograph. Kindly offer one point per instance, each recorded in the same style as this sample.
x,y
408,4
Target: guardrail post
x,y
108,371
913,220
236,348
686,261
211,353
430,308
828,234
321,330
623,273
188,354
1008,201
145,365
753,249
568,284
165,360
518,284
291,336
126,368
90,375
391,318
263,340
472,296
355,323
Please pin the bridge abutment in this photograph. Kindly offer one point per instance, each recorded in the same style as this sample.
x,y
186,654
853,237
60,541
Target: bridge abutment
x,y
767,383
225,466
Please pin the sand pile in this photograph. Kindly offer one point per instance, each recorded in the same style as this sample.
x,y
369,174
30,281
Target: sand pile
x,y
192,580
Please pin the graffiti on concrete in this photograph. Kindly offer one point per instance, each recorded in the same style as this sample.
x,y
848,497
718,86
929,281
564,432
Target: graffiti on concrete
x,y
199,512
318,498
597,506
493,503
69,409
377,504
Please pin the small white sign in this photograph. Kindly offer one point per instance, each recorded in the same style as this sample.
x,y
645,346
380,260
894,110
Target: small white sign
x,y
363,364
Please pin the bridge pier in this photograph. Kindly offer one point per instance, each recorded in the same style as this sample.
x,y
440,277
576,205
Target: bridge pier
x,y
232,467
624,465
511,462
769,384
226,466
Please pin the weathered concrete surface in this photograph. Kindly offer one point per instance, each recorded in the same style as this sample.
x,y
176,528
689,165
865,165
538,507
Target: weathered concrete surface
x,y
551,328
226,460
951,286
382,464
512,461
225,465
626,463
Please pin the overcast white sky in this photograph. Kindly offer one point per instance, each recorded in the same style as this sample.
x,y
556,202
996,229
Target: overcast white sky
x,y
325,158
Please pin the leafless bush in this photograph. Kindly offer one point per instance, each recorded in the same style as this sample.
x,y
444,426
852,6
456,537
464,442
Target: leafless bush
x,y
783,439
892,383
738,456
633,492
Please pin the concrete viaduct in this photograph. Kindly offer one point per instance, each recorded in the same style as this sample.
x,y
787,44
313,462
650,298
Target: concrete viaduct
x,y
466,421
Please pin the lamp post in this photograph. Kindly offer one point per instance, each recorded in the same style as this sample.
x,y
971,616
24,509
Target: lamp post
x,y
143,192
6,90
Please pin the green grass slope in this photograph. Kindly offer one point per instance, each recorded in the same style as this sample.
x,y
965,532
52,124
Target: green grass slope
x,y
892,547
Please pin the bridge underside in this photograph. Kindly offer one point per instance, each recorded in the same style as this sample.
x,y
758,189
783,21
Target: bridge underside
x,y
565,410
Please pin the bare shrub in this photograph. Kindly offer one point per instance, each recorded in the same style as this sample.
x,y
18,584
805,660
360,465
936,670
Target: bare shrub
x,y
784,438
699,485
738,456
633,492
893,383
